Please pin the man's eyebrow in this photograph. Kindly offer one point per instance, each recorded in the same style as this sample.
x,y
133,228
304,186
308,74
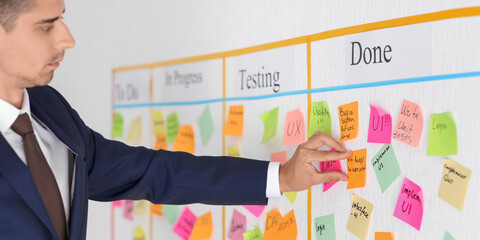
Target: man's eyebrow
x,y
49,20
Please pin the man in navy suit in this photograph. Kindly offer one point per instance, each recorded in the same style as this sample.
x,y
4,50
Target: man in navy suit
x,y
85,165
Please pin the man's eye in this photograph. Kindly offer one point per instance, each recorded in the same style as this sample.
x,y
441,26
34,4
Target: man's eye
x,y
47,28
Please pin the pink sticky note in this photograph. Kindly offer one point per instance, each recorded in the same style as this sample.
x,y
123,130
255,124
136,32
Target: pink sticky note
x,y
128,206
280,157
329,166
183,227
410,204
294,128
380,129
255,209
409,124
117,203
238,226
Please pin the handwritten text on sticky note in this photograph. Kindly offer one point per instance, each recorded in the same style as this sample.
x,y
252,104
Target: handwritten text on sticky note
x,y
360,217
185,140
325,228
320,119
386,166
409,124
380,127
203,227
348,120
357,165
238,226
442,135
294,128
330,166
454,183
234,124
409,206
183,227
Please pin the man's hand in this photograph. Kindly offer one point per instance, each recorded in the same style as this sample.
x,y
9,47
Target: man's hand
x,y
299,174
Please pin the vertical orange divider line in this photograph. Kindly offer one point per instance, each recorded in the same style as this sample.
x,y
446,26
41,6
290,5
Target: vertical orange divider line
x,y
151,141
309,99
223,138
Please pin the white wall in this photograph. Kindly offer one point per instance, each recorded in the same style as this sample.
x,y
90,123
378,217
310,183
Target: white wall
x,y
113,33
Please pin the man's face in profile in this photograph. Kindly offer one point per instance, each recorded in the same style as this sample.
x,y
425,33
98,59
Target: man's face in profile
x,y
32,49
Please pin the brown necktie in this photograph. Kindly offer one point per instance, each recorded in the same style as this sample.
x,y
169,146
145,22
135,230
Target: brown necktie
x,y
42,175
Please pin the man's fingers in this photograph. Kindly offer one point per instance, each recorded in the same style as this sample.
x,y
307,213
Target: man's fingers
x,y
319,139
330,177
321,156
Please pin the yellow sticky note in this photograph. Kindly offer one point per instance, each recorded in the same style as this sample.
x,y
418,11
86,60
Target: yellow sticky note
x,y
291,196
135,131
156,209
140,207
185,140
160,142
139,233
233,151
454,183
234,125
357,168
348,120
203,227
360,217
384,236
158,122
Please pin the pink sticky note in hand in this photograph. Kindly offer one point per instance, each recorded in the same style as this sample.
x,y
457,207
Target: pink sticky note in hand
x,y
294,128
183,227
280,157
409,125
380,129
409,206
329,166
255,209
238,226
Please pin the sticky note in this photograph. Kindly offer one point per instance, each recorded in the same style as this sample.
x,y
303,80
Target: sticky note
x,y
117,203
255,209
183,227
270,120
158,122
203,227
205,123
325,228
384,236
348,121
141,207
135,131
185,140
294,128
156,209
278,227
173,124
386,167
170,212
280,157
128,206
234,151
442,135
255,234
380,127
271,224
234,125
409,206
447,236
330,166
139,233
320,119
291,196
454,183
117,126
360,217
160,141
238,226
409,124
356,165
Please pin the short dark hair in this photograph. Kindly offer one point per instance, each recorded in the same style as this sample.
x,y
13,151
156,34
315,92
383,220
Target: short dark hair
x,y
11,9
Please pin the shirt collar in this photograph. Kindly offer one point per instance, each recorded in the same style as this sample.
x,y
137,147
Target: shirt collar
x,y
10,112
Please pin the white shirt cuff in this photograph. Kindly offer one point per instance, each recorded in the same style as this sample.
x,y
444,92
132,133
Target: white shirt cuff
x,y
273,184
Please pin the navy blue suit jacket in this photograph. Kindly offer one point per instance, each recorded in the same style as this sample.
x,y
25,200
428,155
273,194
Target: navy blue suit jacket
x,y
106,170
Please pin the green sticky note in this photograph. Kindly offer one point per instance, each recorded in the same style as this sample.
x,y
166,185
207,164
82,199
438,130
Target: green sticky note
x,y
447,236
255,234
320,119
173,124
270,120
205,122
158,122
442,135
325,228
117,128
386,166
170,212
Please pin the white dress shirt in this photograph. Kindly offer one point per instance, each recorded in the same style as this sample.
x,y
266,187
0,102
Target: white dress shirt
x,y
54,150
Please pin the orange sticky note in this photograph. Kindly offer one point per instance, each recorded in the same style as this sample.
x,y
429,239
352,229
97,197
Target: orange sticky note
x,y
185,140
357,167
383,236
203,227
348,120
280,157
234,125
409,125
161,141
294,128
271,224
280,228
156,209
